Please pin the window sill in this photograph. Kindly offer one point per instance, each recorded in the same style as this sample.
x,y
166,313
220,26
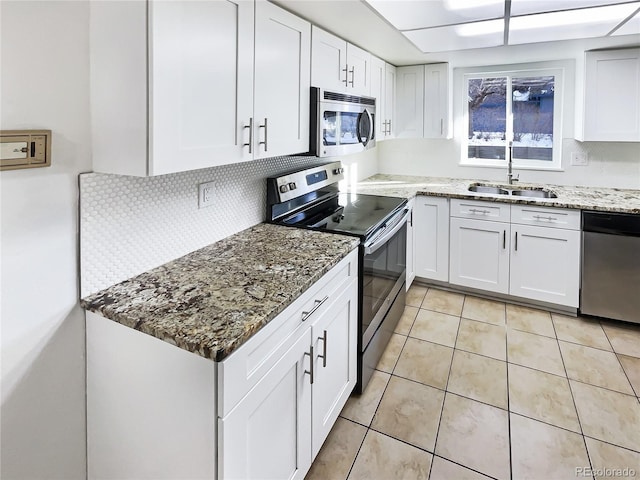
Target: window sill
x,y
515,167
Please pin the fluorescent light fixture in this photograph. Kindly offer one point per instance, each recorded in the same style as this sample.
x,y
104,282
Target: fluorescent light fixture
x,y
458,37
567,25
476,29
525,7
419,14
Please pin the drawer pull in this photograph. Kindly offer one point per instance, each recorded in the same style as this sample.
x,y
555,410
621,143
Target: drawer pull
x,y
477,210
548,219
504,239
324,349
306,315
516,241
310,371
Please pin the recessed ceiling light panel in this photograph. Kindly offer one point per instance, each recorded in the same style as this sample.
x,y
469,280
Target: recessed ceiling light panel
x,y
525,7
567,25
459,37
418,14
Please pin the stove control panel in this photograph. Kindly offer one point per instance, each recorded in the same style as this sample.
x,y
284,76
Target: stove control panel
x,y
300,182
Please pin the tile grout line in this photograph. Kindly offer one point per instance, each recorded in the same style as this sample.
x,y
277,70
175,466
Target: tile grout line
x,y
575,405
435,443
506,357
637,393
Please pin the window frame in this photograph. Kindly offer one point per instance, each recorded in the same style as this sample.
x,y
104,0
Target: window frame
x,y
559,70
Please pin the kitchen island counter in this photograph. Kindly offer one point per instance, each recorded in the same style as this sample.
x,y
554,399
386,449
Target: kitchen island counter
x,y
584,198
213,300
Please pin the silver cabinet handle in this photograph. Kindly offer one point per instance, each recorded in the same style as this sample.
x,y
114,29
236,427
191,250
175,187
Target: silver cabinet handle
x,y
310,371
549,219
384,127
306,315
516,241
346,75
265,134
504,239
477,210
324,349
389,127
442,126
353,75
250,127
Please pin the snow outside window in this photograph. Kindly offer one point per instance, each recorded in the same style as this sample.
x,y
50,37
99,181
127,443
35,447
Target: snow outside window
x,y
519,106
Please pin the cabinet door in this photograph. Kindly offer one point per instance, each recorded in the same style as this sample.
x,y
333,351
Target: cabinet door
x,y
479,254
328,61
545,264
335,345
359,63
436,100
612,96
282,82
378,76
411,269
431,224
267,435
200,72
410,102
390,100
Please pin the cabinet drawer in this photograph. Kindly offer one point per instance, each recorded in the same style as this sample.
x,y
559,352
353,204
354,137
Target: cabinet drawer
x,y
498,212
242,370
545,216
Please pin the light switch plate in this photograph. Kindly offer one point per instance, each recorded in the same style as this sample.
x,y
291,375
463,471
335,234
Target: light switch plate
x,y
206,194
579,158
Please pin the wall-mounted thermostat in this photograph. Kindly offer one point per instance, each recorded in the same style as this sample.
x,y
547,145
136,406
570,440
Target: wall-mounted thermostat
x,y
25,149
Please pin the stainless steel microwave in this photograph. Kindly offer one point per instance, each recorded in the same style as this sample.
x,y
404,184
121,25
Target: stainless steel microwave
x,y
341,124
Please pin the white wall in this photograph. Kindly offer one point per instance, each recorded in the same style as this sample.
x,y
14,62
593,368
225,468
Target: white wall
x,y
44,84
610,164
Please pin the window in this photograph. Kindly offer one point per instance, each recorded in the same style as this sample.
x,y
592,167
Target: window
x,y
519,109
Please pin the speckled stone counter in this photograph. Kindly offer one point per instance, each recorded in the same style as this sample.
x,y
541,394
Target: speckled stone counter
x,y
585,198
212,300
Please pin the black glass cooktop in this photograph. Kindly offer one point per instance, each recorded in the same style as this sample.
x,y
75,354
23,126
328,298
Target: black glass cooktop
x,y
350,213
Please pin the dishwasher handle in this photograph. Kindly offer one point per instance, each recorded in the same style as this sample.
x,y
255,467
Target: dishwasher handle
x,y
626,224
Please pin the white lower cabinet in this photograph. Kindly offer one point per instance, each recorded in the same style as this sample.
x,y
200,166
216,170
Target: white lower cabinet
x,y
480,254
411,252
525,251
431,237
277,428
545,260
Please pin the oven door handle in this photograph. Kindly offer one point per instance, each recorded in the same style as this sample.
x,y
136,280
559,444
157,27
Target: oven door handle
x,y
379,242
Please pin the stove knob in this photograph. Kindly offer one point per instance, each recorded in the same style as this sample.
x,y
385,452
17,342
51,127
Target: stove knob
x,y
292,186
284,188
338,171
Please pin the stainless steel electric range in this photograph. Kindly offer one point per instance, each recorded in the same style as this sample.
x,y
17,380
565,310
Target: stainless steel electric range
x,y
310,198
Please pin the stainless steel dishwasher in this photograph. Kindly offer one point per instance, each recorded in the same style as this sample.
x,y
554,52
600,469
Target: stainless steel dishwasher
x,y
611,266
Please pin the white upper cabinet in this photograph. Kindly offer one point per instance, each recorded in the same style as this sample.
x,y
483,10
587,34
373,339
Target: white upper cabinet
x,y
383,88
410,102
390,100
611,96
339,66
282,82
172,84
423,101
437,101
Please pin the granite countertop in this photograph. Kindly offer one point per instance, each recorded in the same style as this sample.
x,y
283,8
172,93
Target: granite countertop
x,y
212,300
585,198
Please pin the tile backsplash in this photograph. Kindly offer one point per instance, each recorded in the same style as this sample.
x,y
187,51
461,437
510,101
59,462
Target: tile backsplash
x,y
130,224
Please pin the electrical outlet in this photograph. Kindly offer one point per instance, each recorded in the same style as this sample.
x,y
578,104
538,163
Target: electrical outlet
x,y
579,158
206,194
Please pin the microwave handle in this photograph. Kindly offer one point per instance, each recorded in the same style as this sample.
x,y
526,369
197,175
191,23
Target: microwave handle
x,y
370,134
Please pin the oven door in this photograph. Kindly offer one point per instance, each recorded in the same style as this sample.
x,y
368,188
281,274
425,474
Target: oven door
x,y
344,129
384,269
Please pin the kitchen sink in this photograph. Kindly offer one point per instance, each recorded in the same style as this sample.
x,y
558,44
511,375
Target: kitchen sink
x,y
488,189
535,193
505,190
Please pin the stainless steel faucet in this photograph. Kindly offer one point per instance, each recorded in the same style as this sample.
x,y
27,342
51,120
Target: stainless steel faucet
x,y
510,176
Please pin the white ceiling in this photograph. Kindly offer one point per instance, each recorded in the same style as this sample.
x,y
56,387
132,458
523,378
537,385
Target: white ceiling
x,y
405,32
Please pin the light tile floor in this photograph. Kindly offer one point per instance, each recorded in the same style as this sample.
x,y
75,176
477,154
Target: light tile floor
x,y
470,388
